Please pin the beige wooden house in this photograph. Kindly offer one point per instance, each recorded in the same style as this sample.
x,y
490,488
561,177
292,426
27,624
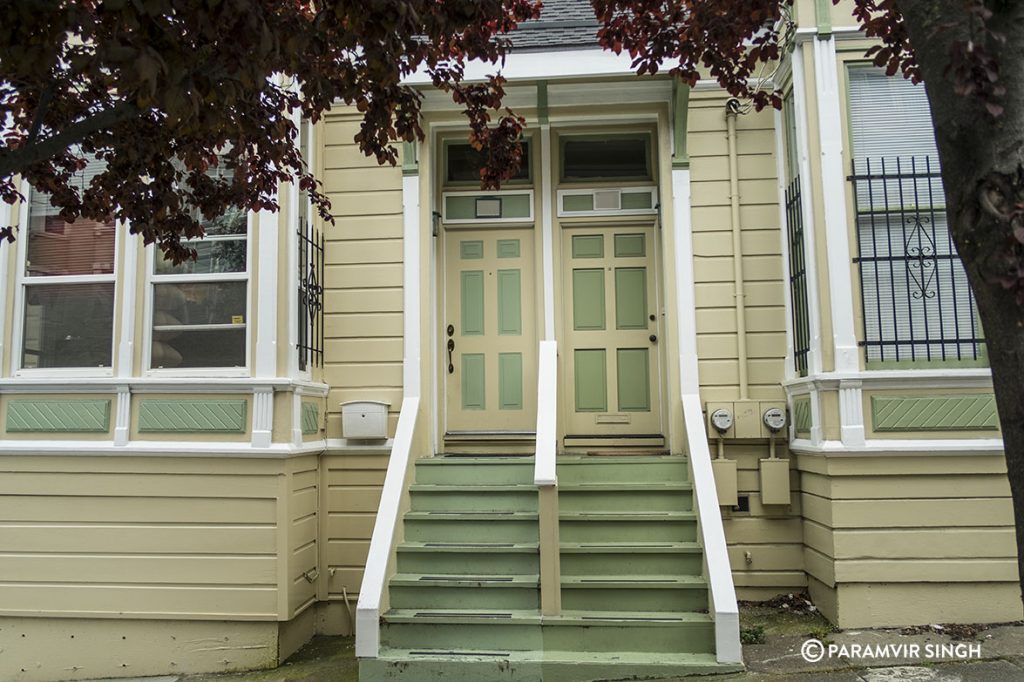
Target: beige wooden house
x,y
692,354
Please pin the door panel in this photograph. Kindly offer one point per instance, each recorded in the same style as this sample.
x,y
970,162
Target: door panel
x,y
611,333
491,378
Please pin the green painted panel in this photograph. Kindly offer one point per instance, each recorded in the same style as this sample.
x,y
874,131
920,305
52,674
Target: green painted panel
x,y
58,416
588,246
631,298
591,380
510,381
472,302
192,416
508,248
460,208
636,200
471,250
510,303
588,299
474,381
973,412
578,202
515,206
802,415
630,246
310,418
634,380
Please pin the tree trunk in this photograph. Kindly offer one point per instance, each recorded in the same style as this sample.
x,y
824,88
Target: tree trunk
x,y
982,160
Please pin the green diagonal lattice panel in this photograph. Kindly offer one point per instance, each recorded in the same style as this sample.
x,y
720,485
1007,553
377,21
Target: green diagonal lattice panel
x,y
969,412
192,416
58,416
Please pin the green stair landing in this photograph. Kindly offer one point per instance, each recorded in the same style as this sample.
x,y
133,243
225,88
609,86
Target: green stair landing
x,y
465,601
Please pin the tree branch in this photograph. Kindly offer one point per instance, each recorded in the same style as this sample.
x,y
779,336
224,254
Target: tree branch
x,y
13,161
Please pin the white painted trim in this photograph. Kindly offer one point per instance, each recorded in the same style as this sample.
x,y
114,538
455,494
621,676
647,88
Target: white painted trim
x,y
128,283
484,221
817,430
686,291
833,181
375,575
296,408
851,413
789,363
5,221
91,384
151,448
840,33
544,467
262,417
122,416
562,213
265,362
712,534
547,233
719,572
411,288
919,447
543,65
894,378
800,114
635,91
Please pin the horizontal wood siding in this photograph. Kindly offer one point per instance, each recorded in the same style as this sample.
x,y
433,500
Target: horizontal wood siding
x,y
713,253
363,273
936,521
303,551
139,537
352,488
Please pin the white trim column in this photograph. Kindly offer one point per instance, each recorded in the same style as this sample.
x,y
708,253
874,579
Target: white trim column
x,y
262,416
851,412
837,226
686,291
5,254
810,253
265,362
411,284
128,280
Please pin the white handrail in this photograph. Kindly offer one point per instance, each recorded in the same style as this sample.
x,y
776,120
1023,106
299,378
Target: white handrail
x,y
375,577
723,593
544,472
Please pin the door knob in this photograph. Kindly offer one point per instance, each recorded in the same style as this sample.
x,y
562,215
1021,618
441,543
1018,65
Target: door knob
x,y
654,338
451,347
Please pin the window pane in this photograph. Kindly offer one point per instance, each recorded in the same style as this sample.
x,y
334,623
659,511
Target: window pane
x,y
199,324
68,325
464,163
226,252
620,158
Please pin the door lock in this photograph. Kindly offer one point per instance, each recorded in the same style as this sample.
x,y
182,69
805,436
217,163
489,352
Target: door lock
x,y
451,347
653,338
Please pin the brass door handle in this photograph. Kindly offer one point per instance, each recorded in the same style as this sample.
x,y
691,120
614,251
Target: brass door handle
x,y
451,347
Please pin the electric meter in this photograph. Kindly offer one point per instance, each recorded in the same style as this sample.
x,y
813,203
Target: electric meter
x,y
721,419
774,419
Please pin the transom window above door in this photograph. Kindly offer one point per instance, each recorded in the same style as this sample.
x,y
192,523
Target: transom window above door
x,y
462,164
606,157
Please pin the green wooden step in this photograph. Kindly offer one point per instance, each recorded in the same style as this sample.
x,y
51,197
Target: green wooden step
x,y
491,561
438,497
668,558
472,471
626,497
513,527
453,628
628,593
662,469
464,591
591,527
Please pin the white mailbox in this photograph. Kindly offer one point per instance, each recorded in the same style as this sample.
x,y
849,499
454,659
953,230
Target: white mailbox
x,y
364,419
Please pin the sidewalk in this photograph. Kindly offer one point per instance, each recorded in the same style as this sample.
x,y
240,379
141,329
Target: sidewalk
x,y
993,654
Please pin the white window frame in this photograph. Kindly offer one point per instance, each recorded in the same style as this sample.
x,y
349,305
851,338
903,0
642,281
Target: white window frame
x,y
292,268
22,282
152,280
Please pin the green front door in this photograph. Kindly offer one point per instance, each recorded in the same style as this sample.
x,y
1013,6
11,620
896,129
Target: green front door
x,y
612,329
488,340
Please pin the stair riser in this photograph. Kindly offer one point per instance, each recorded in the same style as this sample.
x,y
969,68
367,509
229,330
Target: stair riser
x,y
490,598
626,600
631,564
467,473
454,563
496,669
623,472
628,531
487,635
626,500
468,500
446,530
698,638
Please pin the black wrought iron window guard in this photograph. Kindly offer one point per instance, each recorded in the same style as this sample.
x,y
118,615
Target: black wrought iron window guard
x,y
917,304
311,296
797,277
